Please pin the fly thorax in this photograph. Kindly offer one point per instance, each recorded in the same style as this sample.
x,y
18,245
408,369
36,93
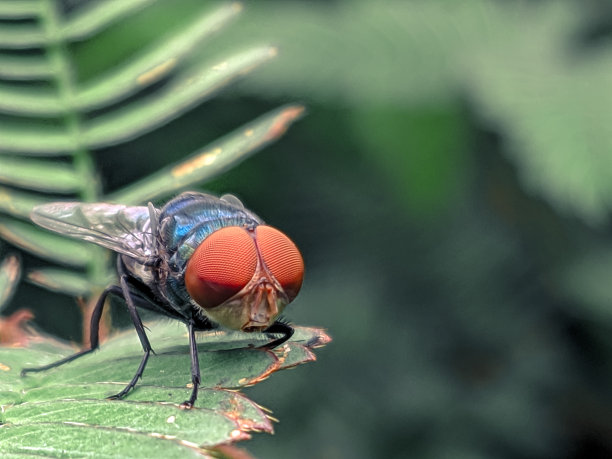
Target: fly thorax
x,y
141,271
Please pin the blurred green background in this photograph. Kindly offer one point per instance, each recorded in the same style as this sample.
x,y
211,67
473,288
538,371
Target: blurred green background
x,y
450,189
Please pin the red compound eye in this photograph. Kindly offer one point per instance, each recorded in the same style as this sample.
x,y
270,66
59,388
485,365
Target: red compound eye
x,y
221,266
282,258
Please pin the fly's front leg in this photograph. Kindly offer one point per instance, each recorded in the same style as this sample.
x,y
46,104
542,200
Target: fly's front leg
x,y
278,328
144,341
94,338
195,369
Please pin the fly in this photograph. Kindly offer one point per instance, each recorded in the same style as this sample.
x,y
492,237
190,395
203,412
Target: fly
x,y
203,260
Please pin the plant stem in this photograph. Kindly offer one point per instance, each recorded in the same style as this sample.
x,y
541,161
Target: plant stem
x,y
59,56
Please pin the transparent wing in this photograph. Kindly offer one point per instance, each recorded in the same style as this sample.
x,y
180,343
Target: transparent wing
x,y
123,229
233,200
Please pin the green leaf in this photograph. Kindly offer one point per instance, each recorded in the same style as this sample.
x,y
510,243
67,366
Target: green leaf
x,y
180,95
42,175
212,160
520,63
16,203
29,101
20,36
19,9
141,417
44,244
153,64
99,15
300,349
56,118
70,399
62,281
88,441
25,67
550,104
407,52
35,139
10,271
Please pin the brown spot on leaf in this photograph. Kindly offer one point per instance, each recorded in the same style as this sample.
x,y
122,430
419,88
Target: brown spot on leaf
x,y
281,123
201,160
157,72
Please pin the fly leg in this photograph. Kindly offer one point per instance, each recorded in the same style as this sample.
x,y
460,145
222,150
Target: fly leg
x,y
94,339
144,341
195,369
278,328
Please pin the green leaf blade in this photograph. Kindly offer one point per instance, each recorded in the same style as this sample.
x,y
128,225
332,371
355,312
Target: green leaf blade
x,y
212,160
153,64
19,9
230,403
231,359
225,369
40,175
61,281
99,15
554,115
42,351
198,426
70,398
140,117
25,68
70,440
21,36
28,102
27,139
45,245
16,203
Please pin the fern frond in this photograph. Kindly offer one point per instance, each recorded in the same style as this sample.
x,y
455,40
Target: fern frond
x,y
62,118
140,117
18,203
154,63
212,160
61,281
29,138
54,248
24,67
19,9
16,100
39,174
21,36
98,16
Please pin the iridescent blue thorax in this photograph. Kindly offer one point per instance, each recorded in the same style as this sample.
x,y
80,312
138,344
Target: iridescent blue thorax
x,y
183,223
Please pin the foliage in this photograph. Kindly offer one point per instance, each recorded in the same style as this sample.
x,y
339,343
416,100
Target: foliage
x,y
54,123
64,409
450,192
457,160
519,62
51,127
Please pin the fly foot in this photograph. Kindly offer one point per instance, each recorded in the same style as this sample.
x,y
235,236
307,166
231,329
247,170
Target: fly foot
x,y
186,405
